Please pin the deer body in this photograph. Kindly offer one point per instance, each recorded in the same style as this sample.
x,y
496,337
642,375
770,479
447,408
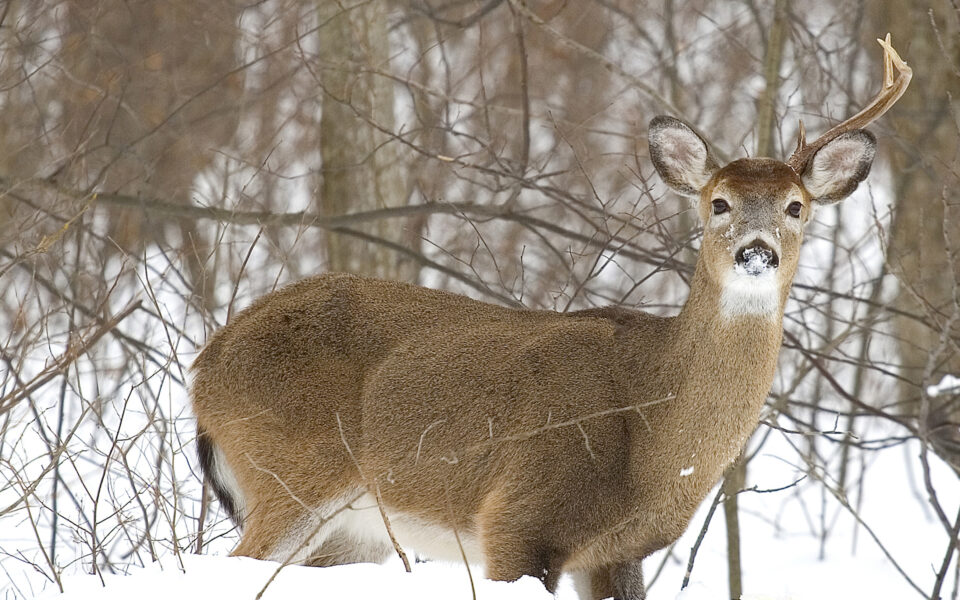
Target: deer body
x,y
533,442
518,408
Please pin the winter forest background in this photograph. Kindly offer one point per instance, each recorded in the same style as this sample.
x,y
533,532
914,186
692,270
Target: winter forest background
x,y
163,163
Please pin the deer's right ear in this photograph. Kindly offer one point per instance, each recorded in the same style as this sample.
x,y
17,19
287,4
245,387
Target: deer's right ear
x,y
680,155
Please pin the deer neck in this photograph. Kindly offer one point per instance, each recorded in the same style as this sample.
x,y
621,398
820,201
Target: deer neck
x,y
727,362
718,371
709,329
705,378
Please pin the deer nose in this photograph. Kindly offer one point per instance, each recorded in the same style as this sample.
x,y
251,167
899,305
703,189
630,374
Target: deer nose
x,y
756,257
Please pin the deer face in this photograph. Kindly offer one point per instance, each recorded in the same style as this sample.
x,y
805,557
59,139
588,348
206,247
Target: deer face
x,y
754,209
753,212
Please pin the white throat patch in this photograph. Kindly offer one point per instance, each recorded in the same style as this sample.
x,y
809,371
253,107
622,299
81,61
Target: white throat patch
x,y
750,295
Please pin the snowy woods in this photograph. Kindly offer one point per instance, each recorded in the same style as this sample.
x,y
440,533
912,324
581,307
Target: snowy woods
x,y
164,163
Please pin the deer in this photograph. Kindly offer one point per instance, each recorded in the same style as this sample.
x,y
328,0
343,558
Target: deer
x,y
342,418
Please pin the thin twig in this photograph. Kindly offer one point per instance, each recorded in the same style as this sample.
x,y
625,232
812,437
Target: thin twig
x,y
62,362
703,532
456,535
376,489
386,522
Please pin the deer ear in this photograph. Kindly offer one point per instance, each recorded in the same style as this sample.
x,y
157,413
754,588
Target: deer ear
x,y
680,156
839,167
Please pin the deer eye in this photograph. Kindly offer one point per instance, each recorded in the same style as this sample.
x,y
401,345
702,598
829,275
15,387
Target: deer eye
x,y
720,206
794,209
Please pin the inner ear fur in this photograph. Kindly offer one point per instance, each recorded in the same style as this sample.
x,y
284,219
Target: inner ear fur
x,y
681,157
837,169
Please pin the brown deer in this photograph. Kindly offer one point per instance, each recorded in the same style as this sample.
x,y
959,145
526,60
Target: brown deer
x,y
343,417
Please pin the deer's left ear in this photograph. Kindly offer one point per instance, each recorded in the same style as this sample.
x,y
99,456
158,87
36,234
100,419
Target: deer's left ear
x,y
839,167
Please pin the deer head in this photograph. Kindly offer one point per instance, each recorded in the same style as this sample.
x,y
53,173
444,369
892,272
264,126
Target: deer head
x,y
753,210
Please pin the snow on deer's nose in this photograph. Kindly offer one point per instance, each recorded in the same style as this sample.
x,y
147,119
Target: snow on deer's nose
x,y
756,258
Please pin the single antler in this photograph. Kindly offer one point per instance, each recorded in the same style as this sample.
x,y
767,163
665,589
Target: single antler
x,y
889,94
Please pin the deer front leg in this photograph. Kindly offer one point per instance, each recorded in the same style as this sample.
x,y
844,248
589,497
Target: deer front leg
x,y
512,550
627,581
513,543
622,581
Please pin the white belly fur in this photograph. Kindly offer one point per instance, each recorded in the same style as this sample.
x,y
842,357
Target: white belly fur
x,y
362,522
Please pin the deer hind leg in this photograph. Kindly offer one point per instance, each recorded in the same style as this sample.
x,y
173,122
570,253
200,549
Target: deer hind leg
x,y
341,549
282,533
283,530
291,501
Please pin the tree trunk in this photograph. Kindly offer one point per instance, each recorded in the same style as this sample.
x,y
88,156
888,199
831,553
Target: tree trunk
x,y
926,216
736,478
362,168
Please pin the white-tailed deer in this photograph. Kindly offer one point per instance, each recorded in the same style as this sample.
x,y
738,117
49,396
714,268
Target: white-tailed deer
x,y
532,442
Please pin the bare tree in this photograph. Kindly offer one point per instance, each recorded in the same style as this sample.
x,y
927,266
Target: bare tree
x,y
363,167
163,164
922,252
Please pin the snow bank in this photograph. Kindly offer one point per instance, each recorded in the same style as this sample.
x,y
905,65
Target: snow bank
x,y
780,553
243,578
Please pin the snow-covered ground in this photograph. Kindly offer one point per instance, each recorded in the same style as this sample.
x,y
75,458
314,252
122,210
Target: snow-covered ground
x,y
781,553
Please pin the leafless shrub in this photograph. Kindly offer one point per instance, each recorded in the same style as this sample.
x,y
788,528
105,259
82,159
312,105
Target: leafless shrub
x,y
162,164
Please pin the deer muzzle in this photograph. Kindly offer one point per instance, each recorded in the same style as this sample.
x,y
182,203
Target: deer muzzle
x,y
756,258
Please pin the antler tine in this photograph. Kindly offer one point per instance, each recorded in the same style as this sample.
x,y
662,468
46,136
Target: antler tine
x,y
801,136
887,61
890,92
